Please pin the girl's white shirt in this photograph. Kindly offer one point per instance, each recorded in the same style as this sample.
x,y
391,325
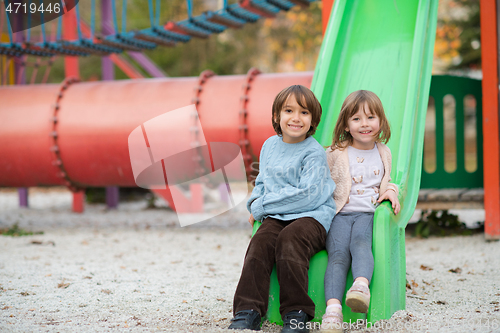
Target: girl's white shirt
x,y
338,161
366,170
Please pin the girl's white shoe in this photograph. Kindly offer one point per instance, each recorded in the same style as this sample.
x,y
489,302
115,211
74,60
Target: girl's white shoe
x,y
358,297
332,321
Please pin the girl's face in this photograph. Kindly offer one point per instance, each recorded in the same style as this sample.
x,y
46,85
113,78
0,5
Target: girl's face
x,y
363,126
295,121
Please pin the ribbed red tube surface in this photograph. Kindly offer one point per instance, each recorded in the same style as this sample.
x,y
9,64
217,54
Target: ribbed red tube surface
x,y
94,120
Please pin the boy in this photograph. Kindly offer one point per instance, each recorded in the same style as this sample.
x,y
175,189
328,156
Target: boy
x,y
293,199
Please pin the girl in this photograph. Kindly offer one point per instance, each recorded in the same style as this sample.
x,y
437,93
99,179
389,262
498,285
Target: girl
x,y
360,165
293,198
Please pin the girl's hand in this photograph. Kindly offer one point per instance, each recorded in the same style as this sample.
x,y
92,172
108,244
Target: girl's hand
x,y
393,198
251,220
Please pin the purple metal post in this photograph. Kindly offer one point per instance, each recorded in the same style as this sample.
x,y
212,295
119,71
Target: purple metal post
x,y
108,73
20,77
23,196
147,64
112,196
19,62
223,191
108,70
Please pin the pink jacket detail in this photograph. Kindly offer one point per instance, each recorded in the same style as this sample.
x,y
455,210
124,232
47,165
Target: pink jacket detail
x,y
338,161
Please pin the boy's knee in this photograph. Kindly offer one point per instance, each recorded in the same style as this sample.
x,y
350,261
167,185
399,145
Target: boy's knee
x,y
261,246
291,246
288,237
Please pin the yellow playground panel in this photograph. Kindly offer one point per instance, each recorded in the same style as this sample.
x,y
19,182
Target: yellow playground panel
x,y
6,65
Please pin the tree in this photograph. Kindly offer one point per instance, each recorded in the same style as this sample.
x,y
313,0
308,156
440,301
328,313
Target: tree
x,y
458,35
470,36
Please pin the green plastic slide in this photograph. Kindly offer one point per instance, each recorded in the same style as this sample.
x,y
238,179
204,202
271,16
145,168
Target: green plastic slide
x,y
385,46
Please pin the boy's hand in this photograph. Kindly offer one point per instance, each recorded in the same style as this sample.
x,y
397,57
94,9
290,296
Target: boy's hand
x,y
251,220
393,198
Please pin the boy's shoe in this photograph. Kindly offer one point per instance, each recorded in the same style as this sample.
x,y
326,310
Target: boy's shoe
x,y
332,321
246,320
358,297
295,322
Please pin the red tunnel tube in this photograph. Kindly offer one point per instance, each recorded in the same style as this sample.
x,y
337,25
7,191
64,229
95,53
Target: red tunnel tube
x,y
95,119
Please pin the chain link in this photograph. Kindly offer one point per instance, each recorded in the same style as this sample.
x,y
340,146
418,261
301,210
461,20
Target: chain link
x,y
57,161
243,127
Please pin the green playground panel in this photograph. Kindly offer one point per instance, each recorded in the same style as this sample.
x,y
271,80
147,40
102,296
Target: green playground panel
x,y
385,46
459,88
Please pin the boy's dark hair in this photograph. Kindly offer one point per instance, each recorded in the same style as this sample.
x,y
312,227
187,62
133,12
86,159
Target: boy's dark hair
x,y
352,104
305,98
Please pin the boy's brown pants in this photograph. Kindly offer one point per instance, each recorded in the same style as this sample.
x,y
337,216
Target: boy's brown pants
x,y
289,244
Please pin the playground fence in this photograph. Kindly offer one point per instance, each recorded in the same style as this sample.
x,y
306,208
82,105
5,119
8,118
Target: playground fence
x,y
453,145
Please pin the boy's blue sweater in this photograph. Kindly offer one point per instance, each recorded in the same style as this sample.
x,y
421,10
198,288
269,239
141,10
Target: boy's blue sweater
x,y
294,181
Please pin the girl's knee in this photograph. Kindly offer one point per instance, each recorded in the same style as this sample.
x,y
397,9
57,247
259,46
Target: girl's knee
x,y
361,241
340,258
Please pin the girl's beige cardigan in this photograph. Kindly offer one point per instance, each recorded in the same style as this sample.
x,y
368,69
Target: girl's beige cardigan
x,y
338,161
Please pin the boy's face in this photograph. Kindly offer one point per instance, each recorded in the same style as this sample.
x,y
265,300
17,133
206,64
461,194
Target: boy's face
x,y
295,121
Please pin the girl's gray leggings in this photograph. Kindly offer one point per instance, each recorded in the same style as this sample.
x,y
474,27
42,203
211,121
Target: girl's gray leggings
x,y
349,238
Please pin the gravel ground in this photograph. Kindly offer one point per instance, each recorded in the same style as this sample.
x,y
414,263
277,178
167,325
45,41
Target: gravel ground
x,y
133,269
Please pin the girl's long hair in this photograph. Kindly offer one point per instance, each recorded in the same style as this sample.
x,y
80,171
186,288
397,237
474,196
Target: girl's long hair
x,y
352,104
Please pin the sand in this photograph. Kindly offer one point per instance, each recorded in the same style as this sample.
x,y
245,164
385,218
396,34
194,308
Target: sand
x,y
135,270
